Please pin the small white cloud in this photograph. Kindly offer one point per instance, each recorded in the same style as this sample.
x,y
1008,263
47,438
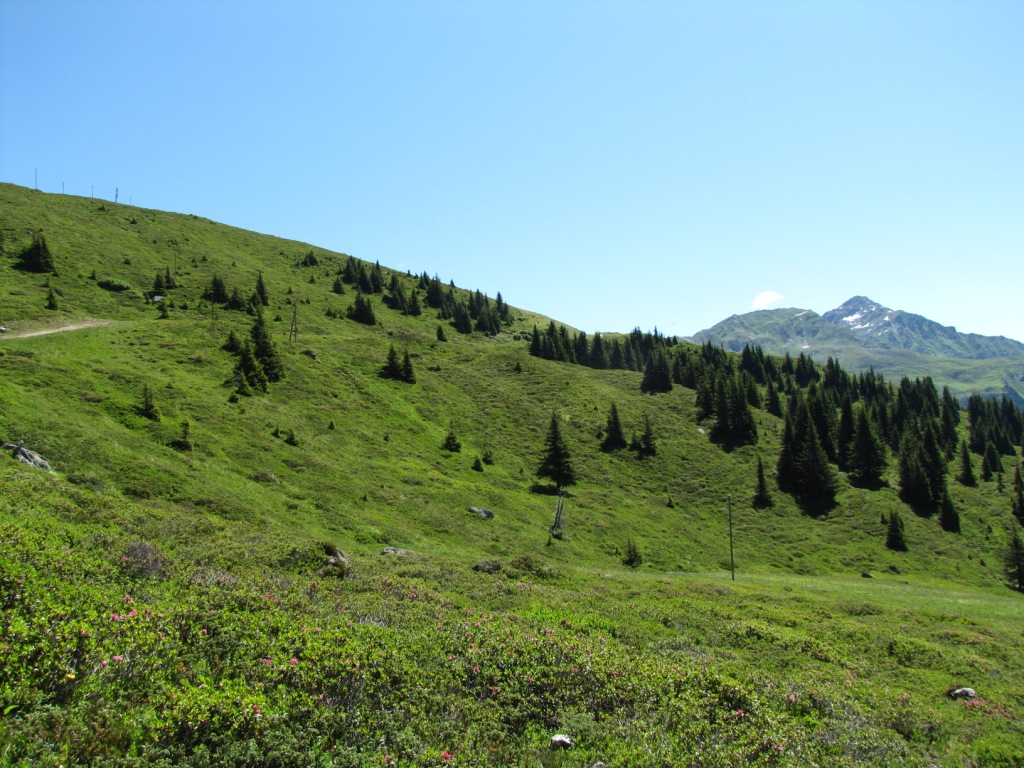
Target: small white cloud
x,y
765,299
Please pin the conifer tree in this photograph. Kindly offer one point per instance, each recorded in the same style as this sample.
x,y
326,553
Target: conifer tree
x,y
646,446
845,434
169,282
338,287
762,497
915,489
774,405
261,290
556,464
1017,497
264,350
451,443
158,283
633,557
614,439
414,309
362,310
408,375
1014,562
895,538
249,370
392,368
149,407
217,292
949,517
995,464
986,470
440,333
37,257
51,300
657,374
818,483
966,474
866,453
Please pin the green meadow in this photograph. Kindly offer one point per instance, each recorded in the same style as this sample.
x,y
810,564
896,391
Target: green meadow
x,y
295,577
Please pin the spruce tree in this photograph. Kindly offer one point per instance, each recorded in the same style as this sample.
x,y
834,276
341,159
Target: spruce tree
x,y
817,479
845,434
647,445
556,464
408,375
1014,562
762,497
149,407
657,374
362,310
217,292
614,439
261,290
865,453
51,300
264,349
392,368
995,464
249,370
36,257
895,539
949,517
1017,498
774,405
633,557
451,443
966,474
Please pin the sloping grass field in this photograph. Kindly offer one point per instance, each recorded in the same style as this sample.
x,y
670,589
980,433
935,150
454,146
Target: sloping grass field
x,y
226,599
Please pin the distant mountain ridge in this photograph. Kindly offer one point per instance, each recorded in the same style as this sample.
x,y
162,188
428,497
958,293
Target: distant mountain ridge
x,y
878,327
862,333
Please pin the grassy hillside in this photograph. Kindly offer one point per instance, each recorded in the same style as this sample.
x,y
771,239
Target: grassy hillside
x,y
801,659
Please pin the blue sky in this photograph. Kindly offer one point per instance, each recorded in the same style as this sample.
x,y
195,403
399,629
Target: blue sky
x,y
611,164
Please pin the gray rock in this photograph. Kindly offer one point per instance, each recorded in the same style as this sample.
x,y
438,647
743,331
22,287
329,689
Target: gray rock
x,y
486,514
560,741
396,552
963,693
866,575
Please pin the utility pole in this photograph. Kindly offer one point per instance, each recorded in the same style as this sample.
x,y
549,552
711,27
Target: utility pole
x,y
732,562
293,334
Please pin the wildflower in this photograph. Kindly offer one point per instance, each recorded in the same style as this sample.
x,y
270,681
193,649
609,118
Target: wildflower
x,y
132,613
268,662
119,658
70,675
446,756
203,631
115,617
104,662
293,661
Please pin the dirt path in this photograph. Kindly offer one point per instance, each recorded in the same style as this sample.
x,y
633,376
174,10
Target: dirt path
x,y
58,329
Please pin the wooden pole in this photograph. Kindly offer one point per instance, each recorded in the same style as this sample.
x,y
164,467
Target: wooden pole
x,y
732,561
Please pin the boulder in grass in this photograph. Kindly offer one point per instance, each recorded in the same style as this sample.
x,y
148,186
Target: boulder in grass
x,y
486,514
962,693
560,741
